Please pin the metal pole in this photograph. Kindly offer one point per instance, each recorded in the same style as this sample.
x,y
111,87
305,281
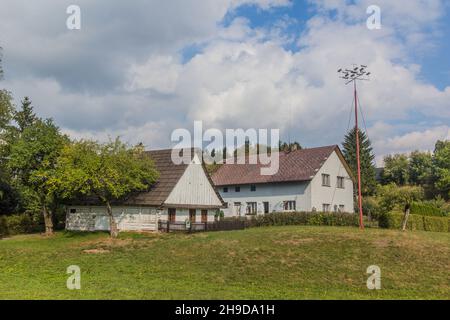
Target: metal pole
x,y
361,224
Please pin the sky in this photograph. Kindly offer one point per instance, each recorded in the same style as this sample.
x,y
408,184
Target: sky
x,y
141,69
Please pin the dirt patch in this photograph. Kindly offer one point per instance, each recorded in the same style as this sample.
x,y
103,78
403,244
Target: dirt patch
x,y
96,251
294,242
382,243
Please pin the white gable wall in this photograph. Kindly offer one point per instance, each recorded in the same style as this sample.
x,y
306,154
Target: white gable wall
x,y
332,195
194,188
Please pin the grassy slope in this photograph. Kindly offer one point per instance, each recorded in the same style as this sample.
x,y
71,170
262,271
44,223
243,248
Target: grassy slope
x,y
259,263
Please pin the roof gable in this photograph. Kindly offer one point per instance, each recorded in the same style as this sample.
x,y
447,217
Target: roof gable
x,y
169,174
194,188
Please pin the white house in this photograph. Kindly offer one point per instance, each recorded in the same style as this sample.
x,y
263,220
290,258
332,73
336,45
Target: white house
x,y
316,179
183,191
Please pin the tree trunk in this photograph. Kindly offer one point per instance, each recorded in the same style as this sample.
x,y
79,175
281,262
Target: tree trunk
x,y
112,223
405,218
48,220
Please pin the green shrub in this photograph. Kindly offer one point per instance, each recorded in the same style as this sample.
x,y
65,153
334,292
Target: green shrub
x,y
305,218
427,210
393,220
372,208
437,224
23,223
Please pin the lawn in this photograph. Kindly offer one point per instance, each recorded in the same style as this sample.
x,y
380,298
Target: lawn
x,y
295,262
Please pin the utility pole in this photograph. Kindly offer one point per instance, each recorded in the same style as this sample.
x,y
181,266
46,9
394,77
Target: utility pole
x,y
352,75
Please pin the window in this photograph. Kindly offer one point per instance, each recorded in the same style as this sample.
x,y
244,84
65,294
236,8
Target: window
x,y
335,208
325,180
225,190
251,207
340,182
73,210
289,205
326,207
341,208
252,187
237,189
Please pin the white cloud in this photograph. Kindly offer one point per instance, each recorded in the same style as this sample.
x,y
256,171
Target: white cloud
x,y
243,76
411,141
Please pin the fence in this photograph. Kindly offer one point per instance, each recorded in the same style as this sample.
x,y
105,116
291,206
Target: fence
x,y
223,225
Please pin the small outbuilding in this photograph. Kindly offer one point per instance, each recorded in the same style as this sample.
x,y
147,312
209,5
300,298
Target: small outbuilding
x,y
182,192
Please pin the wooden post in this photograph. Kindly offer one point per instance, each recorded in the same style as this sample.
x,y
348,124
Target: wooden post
x,y
168,226
406,216
206,226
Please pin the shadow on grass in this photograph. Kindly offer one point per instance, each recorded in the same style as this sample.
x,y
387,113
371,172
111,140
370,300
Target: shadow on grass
x,y
82,234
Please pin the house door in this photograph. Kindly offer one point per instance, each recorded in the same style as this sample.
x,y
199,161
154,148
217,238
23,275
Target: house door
x,y
237,209
192,215
204,216
172,214
266,207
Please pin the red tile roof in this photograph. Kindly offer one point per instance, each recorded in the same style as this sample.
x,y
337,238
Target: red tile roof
x,y
298,165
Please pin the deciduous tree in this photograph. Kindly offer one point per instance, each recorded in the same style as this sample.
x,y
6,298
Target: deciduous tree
x,y
396,169
109,172
32,161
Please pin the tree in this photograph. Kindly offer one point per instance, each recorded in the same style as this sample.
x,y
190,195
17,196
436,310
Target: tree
x,y
6,107
25,117
393,196
368,182
287,147
109,172
441,168
420,168
32,161
396,169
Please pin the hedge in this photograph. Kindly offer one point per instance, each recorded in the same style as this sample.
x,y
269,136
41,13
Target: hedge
x,y
427,210
393,220
305,218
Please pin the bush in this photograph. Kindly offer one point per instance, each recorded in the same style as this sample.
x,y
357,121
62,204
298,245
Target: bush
x,y
393,220
23,223
436,224
424,209
393,197
371,208
305,218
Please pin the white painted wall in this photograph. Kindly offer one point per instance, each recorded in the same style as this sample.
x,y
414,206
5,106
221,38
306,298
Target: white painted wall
x,y
194,188
332,195
95,218
308,195
274,193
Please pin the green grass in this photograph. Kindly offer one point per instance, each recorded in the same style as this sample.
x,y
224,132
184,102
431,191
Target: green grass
x,y
295,262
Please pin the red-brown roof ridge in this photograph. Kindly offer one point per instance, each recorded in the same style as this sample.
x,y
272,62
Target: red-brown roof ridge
x,y
297,165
